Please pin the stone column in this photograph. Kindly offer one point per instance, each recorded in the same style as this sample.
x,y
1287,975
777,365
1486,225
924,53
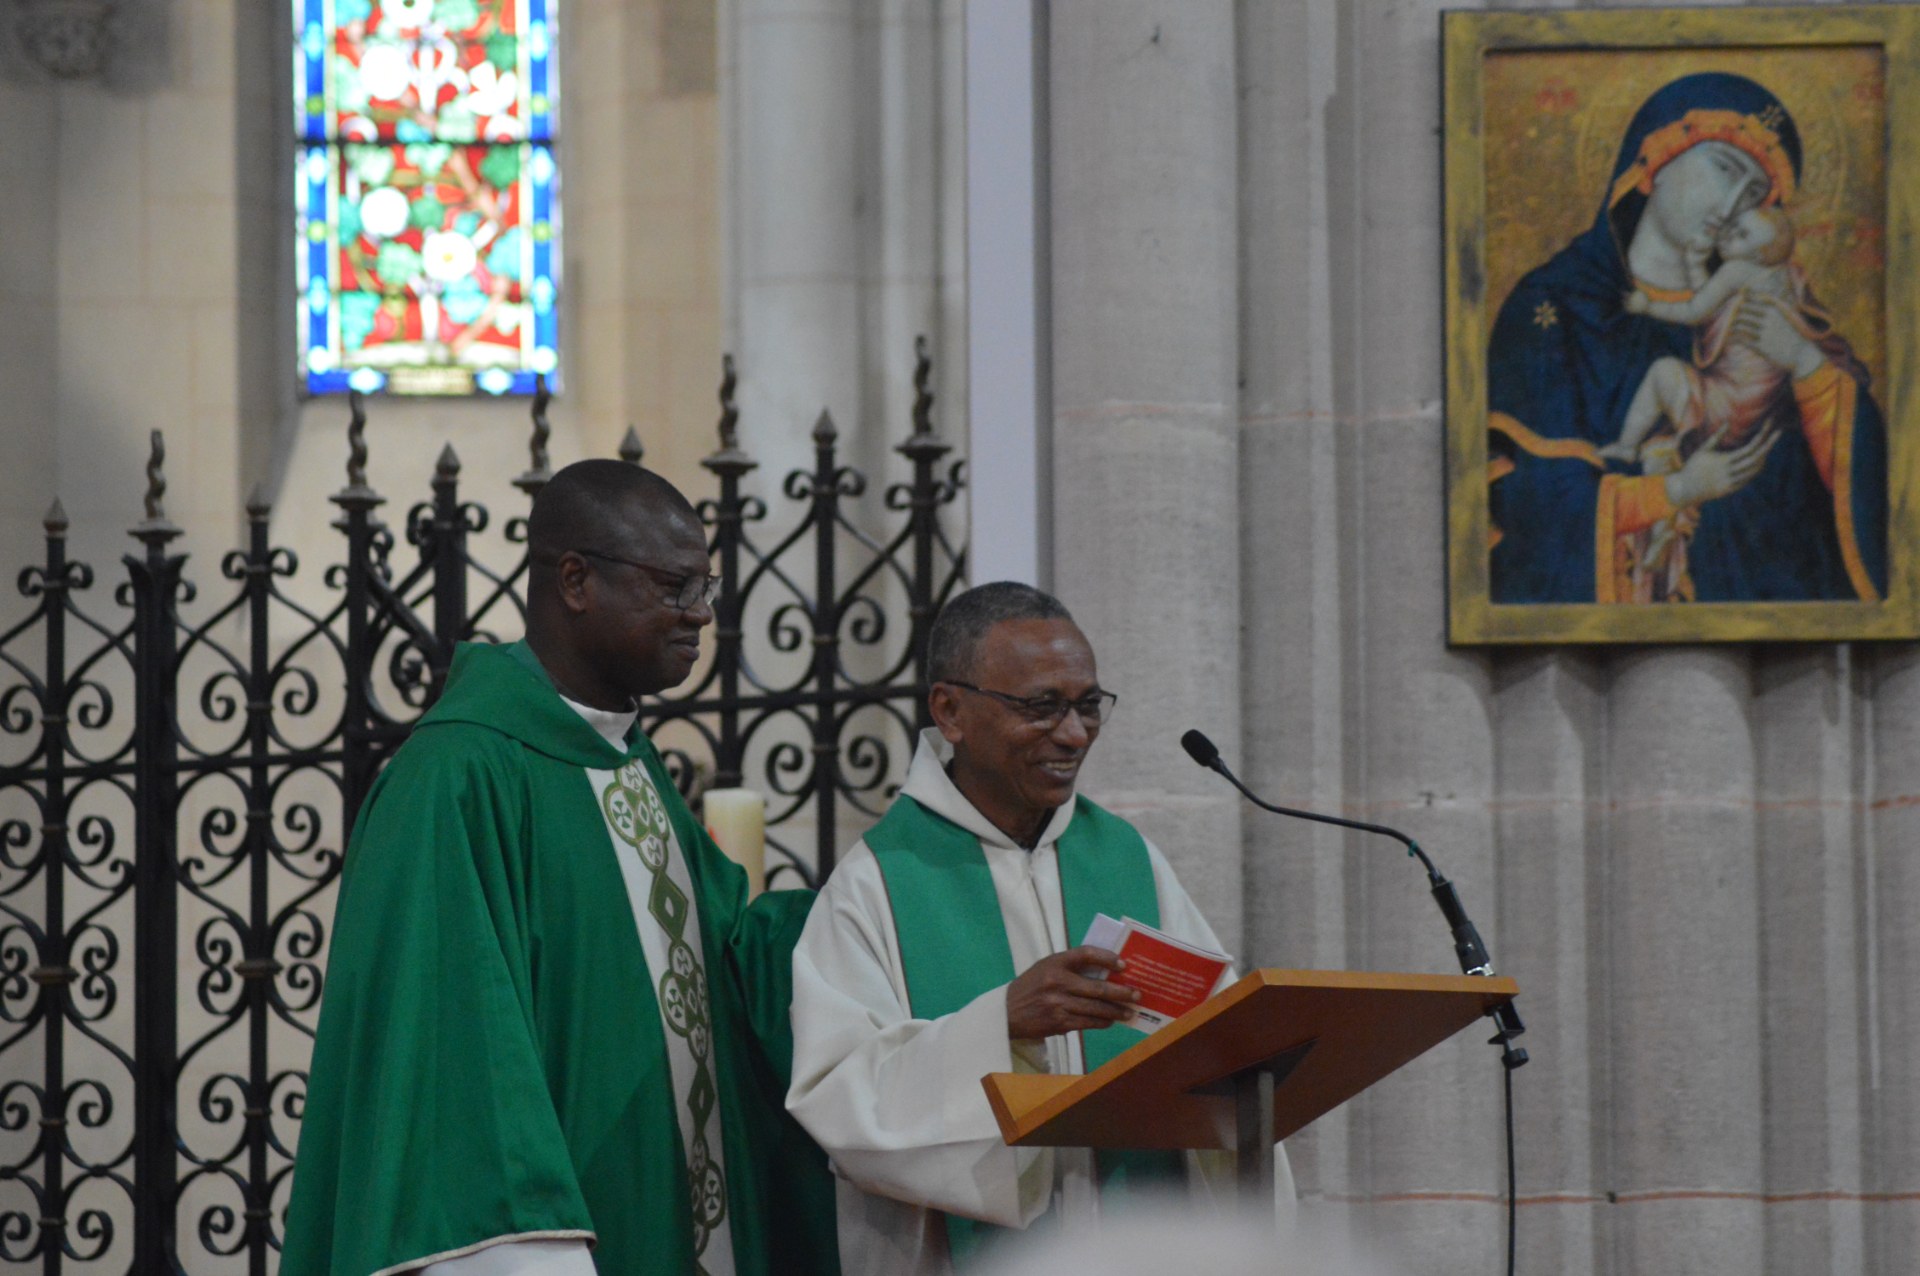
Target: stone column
x,y
1296,466
1430,1134
1812,726
1425,762
912,220
642,155
1009,498
254,375
1145,406
793,87
842,193
1686,1109
1551,824
1892,943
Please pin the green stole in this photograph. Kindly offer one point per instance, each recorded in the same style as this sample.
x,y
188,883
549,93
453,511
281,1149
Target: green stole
x,y
953,942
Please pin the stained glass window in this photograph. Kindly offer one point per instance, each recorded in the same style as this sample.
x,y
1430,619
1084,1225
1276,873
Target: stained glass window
x,y
428,202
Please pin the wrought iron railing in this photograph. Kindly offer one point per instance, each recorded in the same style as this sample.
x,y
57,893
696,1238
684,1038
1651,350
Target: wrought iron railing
x,y
166,876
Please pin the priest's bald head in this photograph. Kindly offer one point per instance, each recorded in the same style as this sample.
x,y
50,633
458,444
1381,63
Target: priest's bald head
x,y
1016,694
619,587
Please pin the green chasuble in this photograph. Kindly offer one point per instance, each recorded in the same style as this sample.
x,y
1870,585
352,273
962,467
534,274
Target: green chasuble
x,y
953,941
491,1060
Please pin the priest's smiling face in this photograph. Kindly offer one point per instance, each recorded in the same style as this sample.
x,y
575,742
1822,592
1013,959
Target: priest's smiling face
x,y
1015,771
618,590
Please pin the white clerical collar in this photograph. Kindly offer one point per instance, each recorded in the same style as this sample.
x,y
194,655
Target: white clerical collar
x,y
930,786
611,724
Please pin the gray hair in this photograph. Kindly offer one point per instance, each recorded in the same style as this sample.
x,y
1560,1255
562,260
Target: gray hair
x,y
965,620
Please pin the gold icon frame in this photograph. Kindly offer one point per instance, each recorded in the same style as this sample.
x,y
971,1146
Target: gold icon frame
x,y
1546,97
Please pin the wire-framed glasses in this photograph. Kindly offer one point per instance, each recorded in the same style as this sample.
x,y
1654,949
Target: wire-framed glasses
x,y
682,591
1048,712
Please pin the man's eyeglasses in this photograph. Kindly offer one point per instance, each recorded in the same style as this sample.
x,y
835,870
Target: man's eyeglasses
x,y
682,591
1048,712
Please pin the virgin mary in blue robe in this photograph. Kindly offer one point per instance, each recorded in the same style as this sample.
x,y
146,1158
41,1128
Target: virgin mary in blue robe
x,y
1564,362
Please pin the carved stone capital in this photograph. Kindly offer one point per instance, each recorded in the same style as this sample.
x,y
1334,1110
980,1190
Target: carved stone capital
x,y
65,37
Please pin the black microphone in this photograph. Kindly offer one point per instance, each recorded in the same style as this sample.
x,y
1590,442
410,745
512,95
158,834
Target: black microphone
x,y
1467,944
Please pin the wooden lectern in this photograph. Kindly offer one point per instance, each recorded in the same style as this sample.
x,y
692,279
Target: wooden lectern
x,y
1248,1067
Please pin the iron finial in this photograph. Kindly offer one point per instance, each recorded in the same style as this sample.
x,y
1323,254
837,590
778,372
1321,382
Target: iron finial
x,y
540,469
356,440
154,528
259,508
356,494
630,449
824,432
923,444
56,520
156,476
729,411
447,468
922,395
729,459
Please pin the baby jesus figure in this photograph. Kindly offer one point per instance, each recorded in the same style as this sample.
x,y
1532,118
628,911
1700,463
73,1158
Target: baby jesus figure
x,y
1720,397
1729,386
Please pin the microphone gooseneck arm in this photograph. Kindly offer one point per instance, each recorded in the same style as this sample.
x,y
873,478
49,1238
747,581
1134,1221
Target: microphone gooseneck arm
x,y
1467,944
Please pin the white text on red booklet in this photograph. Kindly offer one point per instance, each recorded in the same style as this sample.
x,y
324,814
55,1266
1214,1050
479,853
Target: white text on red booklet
x,y
1171,975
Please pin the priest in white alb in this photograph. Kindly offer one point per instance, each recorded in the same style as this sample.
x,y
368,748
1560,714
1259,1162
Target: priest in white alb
x,y
943,948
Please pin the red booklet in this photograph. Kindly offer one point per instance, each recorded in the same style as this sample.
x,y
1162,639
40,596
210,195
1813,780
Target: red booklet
x,y
1172,975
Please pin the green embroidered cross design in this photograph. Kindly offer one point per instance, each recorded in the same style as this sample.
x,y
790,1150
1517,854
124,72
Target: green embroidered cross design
x,y
636,814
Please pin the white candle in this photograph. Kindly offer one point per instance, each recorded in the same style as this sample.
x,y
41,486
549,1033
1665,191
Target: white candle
x,y
737,819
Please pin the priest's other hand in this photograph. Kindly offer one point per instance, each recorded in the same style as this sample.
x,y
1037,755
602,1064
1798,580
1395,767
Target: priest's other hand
x,y
1053,997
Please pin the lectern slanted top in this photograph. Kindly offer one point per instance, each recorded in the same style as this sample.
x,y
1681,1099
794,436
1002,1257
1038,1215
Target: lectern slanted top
x,y
1322,1035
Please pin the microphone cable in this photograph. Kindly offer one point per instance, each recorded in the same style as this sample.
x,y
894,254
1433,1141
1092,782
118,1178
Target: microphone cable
x,y
1513,1181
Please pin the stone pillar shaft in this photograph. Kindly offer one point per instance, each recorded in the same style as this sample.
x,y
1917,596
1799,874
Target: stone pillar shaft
x,y
1685,964
1811,732
1296,454
1550,823
1892,943
1146,406
794,89
842,185
1430,1135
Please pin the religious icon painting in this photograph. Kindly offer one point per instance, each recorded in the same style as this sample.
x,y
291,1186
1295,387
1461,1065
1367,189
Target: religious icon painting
x,y
427,196
1680,325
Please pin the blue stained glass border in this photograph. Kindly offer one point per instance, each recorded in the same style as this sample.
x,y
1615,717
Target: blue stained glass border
x,y
313,19
539,56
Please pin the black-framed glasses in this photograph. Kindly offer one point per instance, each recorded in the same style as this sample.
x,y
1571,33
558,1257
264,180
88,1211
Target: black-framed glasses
x,y
682,591
1048,712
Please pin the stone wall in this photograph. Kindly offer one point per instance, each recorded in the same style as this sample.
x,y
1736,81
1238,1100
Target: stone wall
x,y
121,303
29,297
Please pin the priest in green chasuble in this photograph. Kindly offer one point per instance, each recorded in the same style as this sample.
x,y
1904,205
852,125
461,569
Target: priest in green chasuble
x,y
549,1037
943,949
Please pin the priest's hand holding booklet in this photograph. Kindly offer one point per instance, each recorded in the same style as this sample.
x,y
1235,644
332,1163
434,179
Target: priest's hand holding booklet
x,y
1124,971
1168,976
1068,992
